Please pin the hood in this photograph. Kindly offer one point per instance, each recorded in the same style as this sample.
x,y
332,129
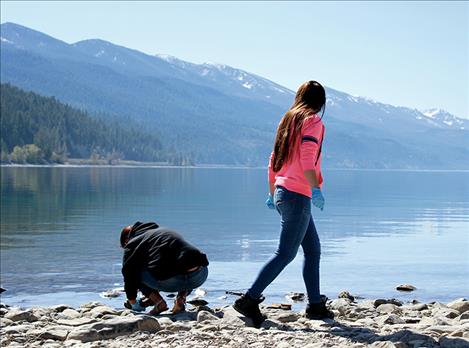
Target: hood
x,y
141,227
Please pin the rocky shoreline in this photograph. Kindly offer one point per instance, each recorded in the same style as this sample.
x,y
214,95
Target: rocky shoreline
x,y
381,323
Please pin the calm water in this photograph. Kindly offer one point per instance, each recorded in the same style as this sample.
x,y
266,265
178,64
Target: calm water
x,y
60,229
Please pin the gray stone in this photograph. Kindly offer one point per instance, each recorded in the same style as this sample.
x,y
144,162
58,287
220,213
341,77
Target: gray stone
x,y
340,305
464,316
91,305
164,321
118,326
69,313
184,316
287,317
445,313
17,314
77,321
388,308
461,305
16,329
417,307
179,326
5,322
58,333
206,316
391,319
99,311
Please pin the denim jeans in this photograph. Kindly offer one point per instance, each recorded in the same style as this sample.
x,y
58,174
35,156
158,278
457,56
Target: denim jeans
x,y
181,282
297,228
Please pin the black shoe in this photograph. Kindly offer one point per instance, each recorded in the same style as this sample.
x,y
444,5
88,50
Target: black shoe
x,y
249,307
318,311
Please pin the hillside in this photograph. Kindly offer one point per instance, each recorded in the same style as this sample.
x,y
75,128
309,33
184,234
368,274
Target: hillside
x,y
59,131
219,114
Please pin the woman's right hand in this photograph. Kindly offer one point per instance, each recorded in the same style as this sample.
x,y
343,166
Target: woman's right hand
x,y
270,202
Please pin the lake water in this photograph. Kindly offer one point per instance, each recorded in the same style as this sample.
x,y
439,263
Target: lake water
x,y
60,230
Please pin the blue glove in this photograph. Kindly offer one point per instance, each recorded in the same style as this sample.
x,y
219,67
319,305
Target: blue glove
x,y
137,307
317,198
270,202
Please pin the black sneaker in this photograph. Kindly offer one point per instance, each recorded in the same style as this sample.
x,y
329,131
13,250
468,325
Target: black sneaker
x,y
249,307
318,311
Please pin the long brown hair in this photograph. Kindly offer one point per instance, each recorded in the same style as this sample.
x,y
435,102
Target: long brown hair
x,y
309,100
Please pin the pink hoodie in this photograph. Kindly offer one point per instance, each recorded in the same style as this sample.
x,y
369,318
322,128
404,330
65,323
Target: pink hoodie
x,y
306,156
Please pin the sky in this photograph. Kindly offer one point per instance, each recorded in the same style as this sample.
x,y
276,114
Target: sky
x,y
413,54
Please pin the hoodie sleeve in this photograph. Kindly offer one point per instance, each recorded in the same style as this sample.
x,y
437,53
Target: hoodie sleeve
x,y
271,174
311,138
131,268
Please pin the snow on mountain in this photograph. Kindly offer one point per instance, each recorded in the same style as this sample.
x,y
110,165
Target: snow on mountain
x,y
443,118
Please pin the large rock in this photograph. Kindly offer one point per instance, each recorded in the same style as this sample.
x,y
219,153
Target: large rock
x,y
114,327
287,317
17,314
391,319
461,305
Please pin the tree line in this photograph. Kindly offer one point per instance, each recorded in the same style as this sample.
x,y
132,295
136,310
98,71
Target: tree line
x,y
37,129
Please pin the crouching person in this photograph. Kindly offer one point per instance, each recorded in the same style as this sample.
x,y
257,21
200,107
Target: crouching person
x,y
159,259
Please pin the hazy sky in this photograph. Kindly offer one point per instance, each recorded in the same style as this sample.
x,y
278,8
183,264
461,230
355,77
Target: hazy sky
x,y
404,53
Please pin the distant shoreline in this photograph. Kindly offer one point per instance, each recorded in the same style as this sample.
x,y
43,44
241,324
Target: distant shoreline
x,y
134,164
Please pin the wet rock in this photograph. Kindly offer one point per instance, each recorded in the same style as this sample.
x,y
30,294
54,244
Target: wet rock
x,y
406,287
345,294
296,296
17,314
206,316
184,316
114,327
197,302
461,305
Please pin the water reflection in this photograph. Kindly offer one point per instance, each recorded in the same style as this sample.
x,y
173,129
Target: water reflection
x,y
59,226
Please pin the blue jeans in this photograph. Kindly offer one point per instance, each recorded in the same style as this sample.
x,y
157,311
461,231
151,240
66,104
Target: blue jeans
x,y
297,228
181,282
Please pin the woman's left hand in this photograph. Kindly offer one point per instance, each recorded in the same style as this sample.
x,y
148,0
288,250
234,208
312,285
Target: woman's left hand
x,y
317,198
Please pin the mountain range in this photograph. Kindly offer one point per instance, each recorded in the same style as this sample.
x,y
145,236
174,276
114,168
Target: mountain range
x,y
219,114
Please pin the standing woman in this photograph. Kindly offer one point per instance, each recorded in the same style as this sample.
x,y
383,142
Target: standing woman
x,y
295,181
